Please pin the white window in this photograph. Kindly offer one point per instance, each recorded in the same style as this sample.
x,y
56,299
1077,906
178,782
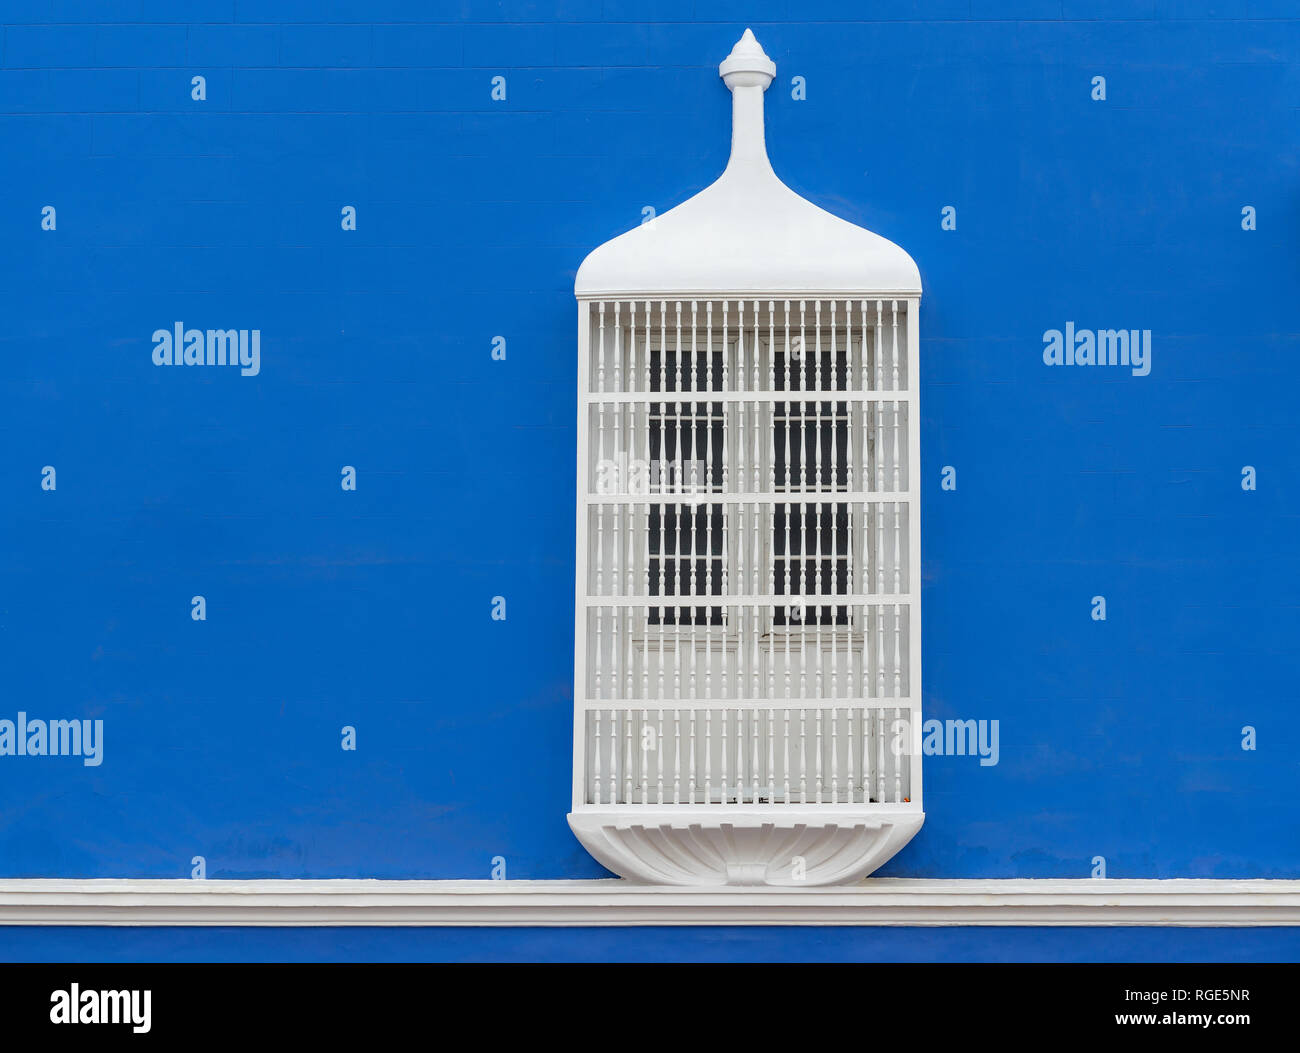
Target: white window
x,y
747,669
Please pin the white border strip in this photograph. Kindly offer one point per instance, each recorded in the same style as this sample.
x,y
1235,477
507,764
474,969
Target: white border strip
x,y
880,901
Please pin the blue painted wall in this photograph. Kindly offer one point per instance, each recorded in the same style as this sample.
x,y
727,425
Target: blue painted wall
x,y
325,608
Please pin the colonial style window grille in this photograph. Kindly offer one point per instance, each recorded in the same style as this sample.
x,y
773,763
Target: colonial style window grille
x,y
747,634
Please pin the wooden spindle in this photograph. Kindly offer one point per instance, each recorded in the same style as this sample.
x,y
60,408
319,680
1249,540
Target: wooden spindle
x,y
803,756
708,757
627,758
818,755
677,756
835,758
613,755
595,768
618,348
785,760
691,771
660,750
818,379
645,756
771,761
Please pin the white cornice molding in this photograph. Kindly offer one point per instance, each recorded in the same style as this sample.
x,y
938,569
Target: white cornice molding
x,y
878,901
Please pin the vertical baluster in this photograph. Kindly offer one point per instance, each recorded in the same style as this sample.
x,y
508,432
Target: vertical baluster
x,y
742,376
818,755
850,557
817,588
645,356
660,749
754,773
789,629
727,677
663,559
618,348
879,346
753,363
849,741
726,719
708,756
894,355
803,348
690,792
866,746
802,557
742,477
771,599
600,356
771,352
785,761
880,605
645,756
708,610
803,756
645,579
627,757
629,669
898,764
875,745
693,636
804,662
771,760
864,383
754,591
880,752
818,378
834,608
835,758
595,769
836,371
725,351
599,658
677,756
676,595
614,757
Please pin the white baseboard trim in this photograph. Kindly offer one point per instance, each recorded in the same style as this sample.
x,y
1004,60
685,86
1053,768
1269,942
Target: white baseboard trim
x,y
878,901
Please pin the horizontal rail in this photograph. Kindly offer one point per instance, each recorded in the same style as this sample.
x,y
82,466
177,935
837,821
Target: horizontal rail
x,y
692,599
668,705
783,497
778,396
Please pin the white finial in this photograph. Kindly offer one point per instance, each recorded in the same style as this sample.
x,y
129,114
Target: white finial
x,y
747,71
748,65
